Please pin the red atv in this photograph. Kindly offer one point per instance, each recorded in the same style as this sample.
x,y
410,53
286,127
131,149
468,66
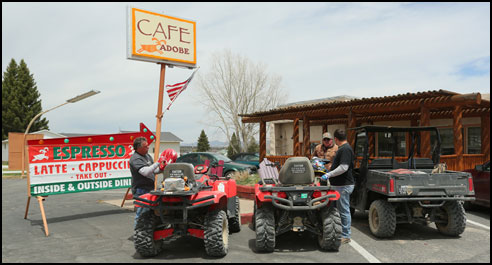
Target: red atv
x,y
191,202
293,200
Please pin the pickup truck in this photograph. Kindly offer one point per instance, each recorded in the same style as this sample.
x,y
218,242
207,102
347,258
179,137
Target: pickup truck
x,y
415,190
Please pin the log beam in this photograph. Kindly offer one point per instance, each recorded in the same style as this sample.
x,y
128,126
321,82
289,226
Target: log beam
x,y
262,140
295,136
458,136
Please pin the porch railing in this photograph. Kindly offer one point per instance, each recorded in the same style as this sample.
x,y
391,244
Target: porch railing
x,y
469,160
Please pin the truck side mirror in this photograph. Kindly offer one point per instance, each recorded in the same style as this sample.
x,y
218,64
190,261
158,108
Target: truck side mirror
x,y
479,167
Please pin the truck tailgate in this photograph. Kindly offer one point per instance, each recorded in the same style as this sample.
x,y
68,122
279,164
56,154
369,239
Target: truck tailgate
x,y
421,182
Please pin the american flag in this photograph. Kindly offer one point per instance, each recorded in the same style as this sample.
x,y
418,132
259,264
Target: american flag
x,y
174,90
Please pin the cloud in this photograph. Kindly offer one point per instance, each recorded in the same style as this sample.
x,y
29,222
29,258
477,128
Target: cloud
x,y
319,49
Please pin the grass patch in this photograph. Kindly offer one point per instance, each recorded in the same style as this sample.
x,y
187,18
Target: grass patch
x,y
243,178
13,176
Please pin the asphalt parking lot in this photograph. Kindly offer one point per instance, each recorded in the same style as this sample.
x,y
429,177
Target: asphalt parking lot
x,y
84,228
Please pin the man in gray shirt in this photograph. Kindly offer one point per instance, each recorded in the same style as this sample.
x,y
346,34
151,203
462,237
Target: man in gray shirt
x,y
143,170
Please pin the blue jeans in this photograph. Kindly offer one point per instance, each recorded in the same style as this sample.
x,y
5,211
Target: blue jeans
x,y
343,205
140,210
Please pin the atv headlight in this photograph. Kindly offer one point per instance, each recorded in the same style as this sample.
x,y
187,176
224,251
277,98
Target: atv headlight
x,y
174,184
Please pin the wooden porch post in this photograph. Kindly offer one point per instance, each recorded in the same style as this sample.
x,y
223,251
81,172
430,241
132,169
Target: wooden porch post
x,y
371,142
458,136
425,147
325,128
307,137
295,136
413,123
262,140
485,136
352,122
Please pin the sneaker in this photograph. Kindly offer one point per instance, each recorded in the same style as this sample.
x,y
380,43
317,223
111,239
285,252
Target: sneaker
x,y
345,240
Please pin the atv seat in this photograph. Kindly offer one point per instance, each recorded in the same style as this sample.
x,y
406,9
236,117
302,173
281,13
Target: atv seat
x,y
297,171
180,170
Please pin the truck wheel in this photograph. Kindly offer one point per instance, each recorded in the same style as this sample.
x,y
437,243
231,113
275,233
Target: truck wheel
x,y
382,218
332,229
235,221
265,229
144,235
453,215
216,236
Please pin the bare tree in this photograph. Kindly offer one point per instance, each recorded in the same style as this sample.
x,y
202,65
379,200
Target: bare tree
x,y
236,86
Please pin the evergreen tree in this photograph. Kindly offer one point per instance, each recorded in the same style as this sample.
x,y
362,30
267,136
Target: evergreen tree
x,y
20,100
253,147
203,145
234,146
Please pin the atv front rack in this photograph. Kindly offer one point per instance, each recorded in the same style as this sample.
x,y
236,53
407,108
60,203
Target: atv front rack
x,y
186,205
286,204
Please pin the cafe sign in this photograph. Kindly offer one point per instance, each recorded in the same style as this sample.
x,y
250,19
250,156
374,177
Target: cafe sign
x,y
160,38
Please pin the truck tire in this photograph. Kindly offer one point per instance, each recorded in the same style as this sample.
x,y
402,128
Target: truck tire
x,y
265,229
216,235
453,214
235,221
143,237
382,218
332,229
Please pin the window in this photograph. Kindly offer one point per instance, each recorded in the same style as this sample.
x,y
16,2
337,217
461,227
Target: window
x,y
251,158
192,158
474,144
361,142
447,140
385,144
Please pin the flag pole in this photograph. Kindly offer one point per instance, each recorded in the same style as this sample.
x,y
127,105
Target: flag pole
x,y
159,116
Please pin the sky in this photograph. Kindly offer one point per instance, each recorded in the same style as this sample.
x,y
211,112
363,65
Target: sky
x,y
319,49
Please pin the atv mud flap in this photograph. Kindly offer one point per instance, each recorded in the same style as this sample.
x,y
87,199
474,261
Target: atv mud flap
x,y
185,206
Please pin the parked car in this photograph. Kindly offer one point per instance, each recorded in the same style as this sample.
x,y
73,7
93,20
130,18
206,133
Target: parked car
x,y
247,158
481,183
230,167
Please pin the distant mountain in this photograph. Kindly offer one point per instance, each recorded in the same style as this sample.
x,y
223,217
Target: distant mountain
x,y
212,144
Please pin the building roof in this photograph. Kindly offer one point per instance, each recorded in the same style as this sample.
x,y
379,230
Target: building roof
x,y
165,136
337,109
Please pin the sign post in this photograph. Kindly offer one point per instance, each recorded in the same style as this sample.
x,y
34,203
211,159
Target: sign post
x,y
159,114
162,39
80,164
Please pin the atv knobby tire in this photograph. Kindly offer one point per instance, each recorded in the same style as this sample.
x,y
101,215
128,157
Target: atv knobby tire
x,y
216,236
454,214
265,229
143,237
235,221
332,229
382,218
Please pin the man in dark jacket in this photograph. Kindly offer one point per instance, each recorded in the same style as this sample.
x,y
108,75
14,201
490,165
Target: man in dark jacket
x,y
342,180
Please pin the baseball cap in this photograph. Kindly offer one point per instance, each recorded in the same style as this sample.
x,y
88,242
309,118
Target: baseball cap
x,y
327,135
